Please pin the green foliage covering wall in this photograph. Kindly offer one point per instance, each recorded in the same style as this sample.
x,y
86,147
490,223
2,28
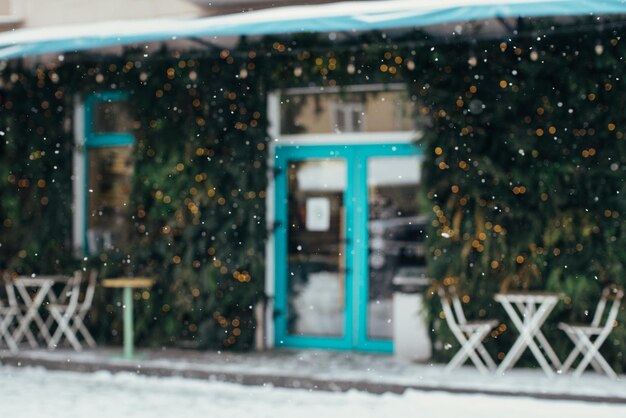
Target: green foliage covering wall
x,y
197,203
523,175
35,187
525,166
524,161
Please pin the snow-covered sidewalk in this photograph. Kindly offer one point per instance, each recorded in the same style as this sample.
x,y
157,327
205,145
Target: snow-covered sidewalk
x,y
29,392
329,371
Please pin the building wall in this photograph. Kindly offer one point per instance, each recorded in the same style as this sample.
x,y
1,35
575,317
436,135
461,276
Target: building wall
x,y
39,13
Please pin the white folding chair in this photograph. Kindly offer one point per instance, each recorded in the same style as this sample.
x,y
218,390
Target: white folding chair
x,y
583,335
8,314
78,325
63,313
470,334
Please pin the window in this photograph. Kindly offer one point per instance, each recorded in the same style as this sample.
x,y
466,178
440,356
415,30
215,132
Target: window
x,y
353,109
107,159
10,12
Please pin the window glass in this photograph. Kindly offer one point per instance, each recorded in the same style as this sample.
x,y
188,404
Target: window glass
x,y
396,235
112,116
372,111
110,177
316,256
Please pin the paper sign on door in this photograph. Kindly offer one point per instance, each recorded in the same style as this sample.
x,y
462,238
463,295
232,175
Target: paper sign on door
x,y
317,214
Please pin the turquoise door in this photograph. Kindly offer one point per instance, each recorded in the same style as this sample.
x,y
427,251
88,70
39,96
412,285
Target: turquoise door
x,y
347,223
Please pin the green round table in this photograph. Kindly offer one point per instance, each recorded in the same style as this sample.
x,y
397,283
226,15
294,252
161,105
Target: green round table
x,y
128,284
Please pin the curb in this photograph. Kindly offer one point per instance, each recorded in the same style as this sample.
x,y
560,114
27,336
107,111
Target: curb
x,y
287,381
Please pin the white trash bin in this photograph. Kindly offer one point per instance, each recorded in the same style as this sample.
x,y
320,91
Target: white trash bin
x,y
411,339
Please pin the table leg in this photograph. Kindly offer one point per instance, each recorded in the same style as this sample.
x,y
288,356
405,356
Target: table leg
x,y
128,323
529,328
545,308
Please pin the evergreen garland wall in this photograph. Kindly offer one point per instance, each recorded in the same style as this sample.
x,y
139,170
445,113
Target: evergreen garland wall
x,y
524,161
524,172
523,175
198,195
35,187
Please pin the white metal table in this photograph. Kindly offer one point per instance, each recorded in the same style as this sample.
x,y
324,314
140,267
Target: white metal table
x,y
33,291
528,311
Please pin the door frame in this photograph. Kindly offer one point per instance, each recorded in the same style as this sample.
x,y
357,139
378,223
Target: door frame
x,y
356,251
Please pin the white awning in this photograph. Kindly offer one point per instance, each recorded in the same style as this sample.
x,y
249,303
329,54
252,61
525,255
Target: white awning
x,y
334,17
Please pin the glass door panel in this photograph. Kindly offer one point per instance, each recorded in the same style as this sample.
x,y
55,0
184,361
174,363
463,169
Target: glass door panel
x,y
316,269
347,224
396,233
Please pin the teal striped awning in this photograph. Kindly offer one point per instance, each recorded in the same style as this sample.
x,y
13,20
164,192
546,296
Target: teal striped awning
x,y
333,17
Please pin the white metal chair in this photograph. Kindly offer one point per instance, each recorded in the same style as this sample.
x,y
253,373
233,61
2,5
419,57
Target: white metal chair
x,y
8,314
63,314
583,335
78,325
470,334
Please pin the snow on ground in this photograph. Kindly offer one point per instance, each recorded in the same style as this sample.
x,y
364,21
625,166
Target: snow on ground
x,y
28,392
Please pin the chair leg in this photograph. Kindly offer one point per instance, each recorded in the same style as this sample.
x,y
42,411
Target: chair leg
x,y
468,349
27,332
63,329
43,329
571,358
491,365
6,335
79,326
592,352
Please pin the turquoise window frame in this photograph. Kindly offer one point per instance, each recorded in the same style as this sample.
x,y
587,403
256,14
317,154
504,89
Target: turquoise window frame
x,y
357,234
98,140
